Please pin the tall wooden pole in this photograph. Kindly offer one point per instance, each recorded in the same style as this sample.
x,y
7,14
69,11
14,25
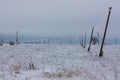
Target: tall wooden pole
x,y
91,39
101,52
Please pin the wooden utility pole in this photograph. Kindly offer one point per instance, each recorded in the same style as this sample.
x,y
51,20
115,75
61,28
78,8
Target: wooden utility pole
x,y
85,40
91,39
17,37
101,52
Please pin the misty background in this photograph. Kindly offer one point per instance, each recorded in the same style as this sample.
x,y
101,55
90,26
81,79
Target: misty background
x,y
35,19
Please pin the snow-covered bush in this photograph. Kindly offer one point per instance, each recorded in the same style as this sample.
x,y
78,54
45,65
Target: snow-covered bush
x,y
11,43
1,43
95,40
31,66
15,68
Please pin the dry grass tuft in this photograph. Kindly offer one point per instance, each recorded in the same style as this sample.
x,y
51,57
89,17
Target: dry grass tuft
x,y
63,73
15,68
70,74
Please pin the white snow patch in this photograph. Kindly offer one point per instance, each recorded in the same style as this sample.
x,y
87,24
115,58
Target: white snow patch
x,y
17,62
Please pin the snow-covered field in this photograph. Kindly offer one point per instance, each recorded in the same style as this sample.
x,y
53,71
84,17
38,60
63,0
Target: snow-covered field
x,y
58,62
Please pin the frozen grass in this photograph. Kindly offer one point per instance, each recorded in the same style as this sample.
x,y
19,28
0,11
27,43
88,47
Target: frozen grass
x,y
58,62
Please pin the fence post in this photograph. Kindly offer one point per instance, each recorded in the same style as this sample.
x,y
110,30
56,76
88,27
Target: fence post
x,y
91,39
101,52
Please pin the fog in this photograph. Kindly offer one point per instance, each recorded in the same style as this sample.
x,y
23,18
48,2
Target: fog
x,y
58,17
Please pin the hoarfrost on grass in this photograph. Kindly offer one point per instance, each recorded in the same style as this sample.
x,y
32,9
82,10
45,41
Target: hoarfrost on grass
x,y
58,62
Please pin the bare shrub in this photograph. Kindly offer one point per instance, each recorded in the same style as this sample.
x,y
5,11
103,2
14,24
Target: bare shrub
x,y
15,68
31,66
47,75
1,43
11,43
69,74
95,40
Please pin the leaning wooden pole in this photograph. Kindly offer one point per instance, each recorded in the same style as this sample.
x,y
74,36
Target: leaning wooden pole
x,y
91,39
101,52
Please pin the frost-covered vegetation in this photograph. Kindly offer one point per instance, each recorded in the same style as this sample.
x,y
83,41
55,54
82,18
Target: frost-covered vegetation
x,y
59,62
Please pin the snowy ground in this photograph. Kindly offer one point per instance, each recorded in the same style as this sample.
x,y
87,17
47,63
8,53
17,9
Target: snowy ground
x,y
58,62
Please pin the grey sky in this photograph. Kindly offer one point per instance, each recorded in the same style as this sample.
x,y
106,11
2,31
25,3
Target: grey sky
x,y
58,17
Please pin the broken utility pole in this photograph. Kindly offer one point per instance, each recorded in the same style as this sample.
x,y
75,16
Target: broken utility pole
x,y
91,39
101,52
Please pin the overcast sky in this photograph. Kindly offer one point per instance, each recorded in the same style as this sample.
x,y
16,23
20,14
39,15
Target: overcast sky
x,y
58,17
